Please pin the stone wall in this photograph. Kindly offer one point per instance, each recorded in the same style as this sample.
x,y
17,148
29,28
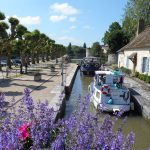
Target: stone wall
x,y
112,59
88,53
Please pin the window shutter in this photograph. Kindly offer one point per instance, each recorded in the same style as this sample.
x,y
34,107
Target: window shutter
x,y
141,65
147,64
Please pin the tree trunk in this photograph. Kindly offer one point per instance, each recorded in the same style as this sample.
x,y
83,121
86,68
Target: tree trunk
x,y
9,61
33,58
26,64
21,72
27,60
37,57
47,57
43,60
26,68
23,59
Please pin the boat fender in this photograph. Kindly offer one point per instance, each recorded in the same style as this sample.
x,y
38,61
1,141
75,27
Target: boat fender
x,y
105,89
126,95
110,101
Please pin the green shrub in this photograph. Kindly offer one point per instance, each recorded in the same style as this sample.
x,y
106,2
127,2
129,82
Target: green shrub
x,y
137,74
141,76
114,66
126,70
145,76
148,79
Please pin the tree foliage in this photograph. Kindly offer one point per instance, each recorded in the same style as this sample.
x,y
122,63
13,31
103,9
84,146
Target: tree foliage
x,y
115,37
84,45
96,49
24,44
78,51
69,50
134,11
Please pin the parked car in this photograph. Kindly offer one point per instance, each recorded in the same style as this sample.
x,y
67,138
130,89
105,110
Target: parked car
x,y
3,62
16,62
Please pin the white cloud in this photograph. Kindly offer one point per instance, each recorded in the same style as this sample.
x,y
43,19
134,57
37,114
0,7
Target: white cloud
x,y
67,39
57,18
86,27
72,19
72,27
28,20
65,31
64,8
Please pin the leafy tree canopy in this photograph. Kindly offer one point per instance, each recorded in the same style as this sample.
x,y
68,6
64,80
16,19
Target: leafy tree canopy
x,y
96,49
134,11
84,45
115,37
2,16
69,49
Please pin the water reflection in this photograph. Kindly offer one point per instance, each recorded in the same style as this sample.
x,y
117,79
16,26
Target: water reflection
x,y
134,122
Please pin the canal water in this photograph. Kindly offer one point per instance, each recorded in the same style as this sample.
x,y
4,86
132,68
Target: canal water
x,y
134,122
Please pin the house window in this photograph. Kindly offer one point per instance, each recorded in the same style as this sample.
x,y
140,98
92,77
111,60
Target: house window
x,y
145,64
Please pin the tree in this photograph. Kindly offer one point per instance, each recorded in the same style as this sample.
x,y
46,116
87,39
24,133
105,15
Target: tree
x,y
10,41
129,27
69,50
134,11
115,37
20,45
84,45
78,51
3,33
96,49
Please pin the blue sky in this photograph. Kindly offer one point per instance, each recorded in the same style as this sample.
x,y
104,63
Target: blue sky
x,y
75,21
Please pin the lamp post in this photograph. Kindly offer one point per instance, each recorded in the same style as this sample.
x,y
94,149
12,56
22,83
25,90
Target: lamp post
x,y
62,74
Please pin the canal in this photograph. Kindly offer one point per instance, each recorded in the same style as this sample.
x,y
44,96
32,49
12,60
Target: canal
x,y
134,122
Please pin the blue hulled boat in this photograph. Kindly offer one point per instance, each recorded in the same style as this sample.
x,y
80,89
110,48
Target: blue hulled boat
x,y
89,65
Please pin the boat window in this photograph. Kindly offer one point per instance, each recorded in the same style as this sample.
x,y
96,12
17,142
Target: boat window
x,y
102,78
98,94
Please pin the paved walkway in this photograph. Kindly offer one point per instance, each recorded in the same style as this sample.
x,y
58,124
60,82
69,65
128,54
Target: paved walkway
x,y
45,89
141,89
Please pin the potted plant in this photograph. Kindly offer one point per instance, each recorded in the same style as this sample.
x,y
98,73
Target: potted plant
x,y
52,67
37,76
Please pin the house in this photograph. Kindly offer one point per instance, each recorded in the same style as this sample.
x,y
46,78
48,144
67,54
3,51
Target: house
x,y
105,48
136,54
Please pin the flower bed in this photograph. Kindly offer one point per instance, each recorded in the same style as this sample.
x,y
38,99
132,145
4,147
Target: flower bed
x,y
34,127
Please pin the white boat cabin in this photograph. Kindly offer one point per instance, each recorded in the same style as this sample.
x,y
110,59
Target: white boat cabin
x,y
107,89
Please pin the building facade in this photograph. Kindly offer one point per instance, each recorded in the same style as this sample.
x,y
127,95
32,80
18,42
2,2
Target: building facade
x,y
136,55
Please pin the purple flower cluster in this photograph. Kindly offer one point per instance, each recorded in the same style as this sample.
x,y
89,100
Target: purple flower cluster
x,y
34,127
85,131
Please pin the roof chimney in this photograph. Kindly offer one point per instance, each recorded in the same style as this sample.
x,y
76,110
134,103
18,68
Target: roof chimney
x,y
140,27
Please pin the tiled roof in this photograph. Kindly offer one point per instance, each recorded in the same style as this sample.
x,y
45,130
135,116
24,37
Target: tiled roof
x,y
140,41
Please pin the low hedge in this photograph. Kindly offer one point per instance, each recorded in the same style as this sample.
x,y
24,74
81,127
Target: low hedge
x,y
126,70
144,77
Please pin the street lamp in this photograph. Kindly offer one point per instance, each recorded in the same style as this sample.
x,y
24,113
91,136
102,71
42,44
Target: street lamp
x,y
62,74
